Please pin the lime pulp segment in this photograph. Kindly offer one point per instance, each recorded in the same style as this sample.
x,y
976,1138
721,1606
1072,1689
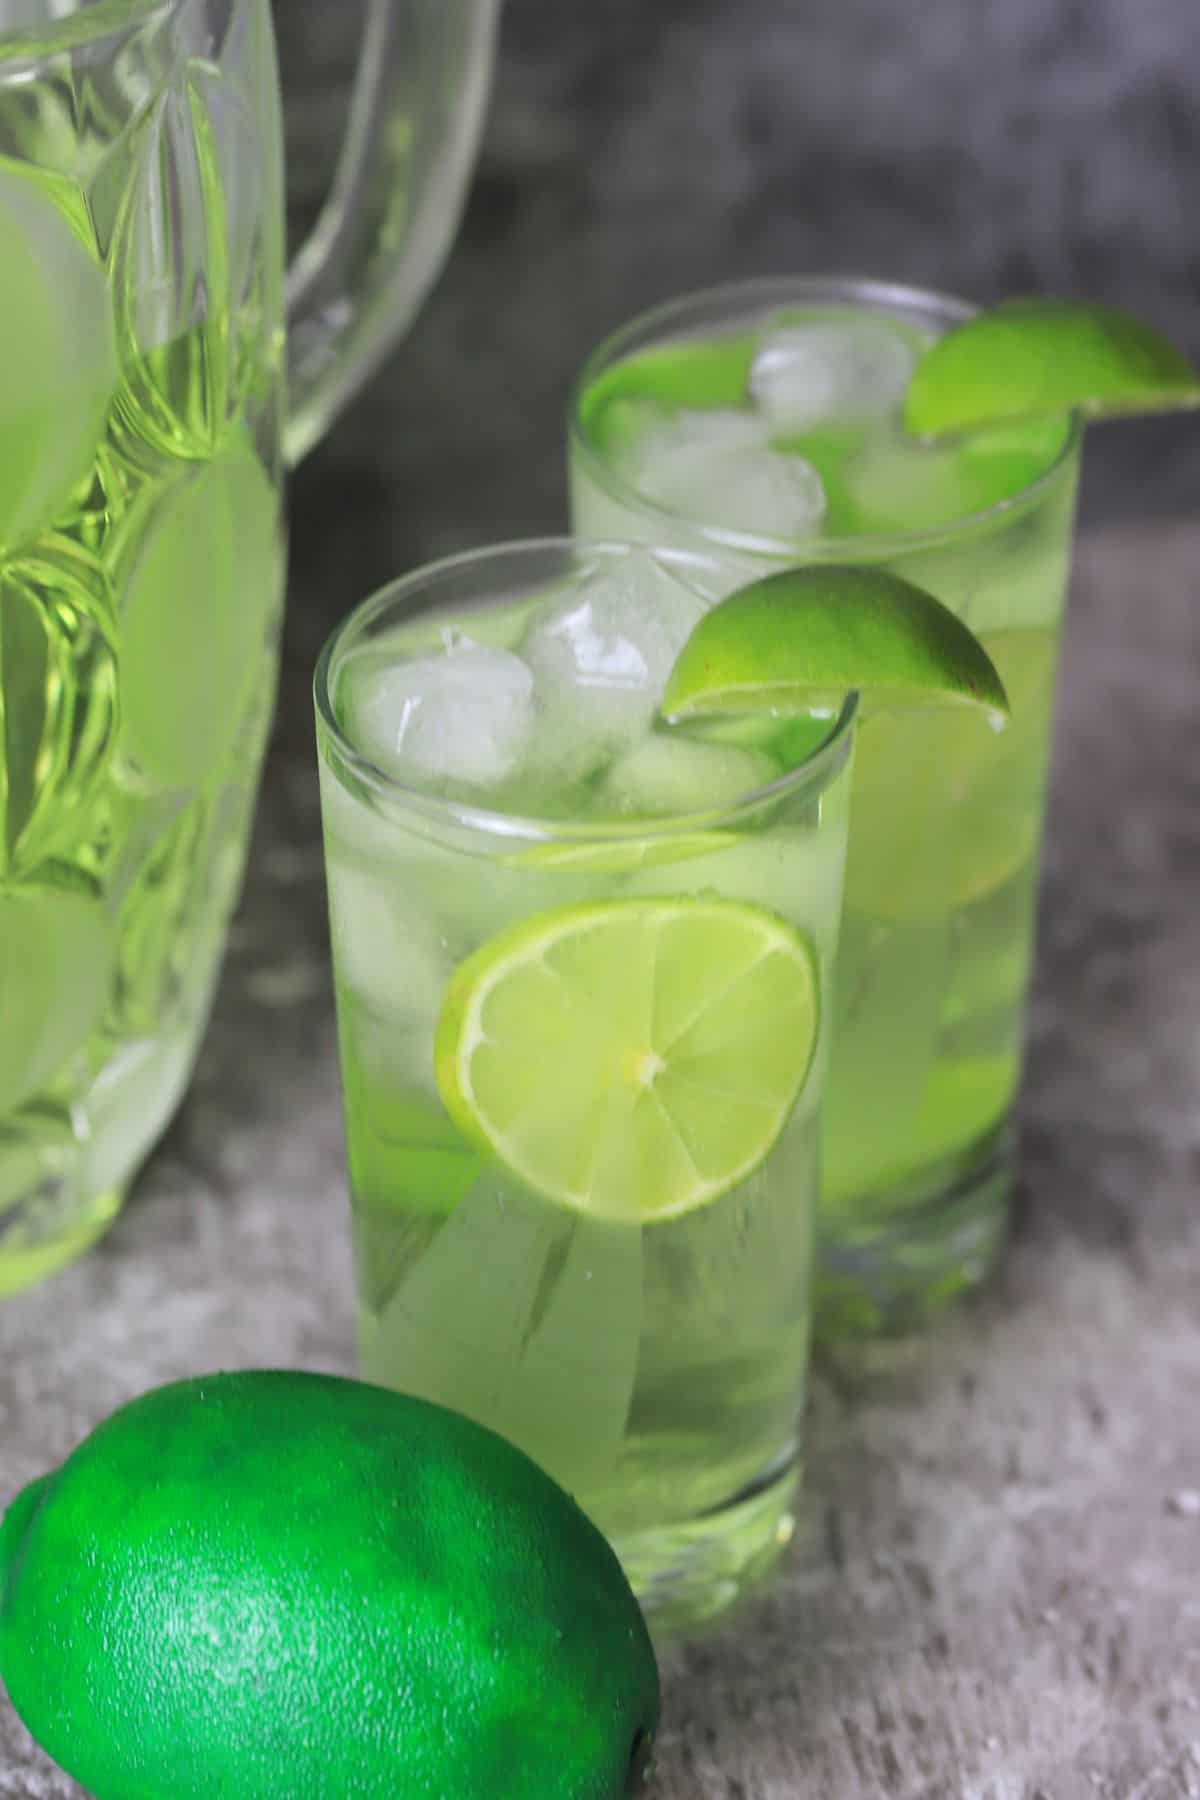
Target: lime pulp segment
x,y
635,1059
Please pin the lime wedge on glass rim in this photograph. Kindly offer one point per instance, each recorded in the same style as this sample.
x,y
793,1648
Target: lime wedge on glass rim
x,y
631,1059
800,639
1028,358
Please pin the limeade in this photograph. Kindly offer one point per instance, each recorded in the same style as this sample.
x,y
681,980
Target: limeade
x,y
582,1057
140,590
769,434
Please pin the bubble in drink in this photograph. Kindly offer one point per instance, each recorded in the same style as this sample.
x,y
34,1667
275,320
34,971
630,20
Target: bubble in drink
x,y
825,371
58,367
719,467
464,716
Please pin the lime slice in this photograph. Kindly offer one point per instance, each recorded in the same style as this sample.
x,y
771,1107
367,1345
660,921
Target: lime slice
x,y
54,972
634,1059
807,636
1030,357
60,370
198,588
947,803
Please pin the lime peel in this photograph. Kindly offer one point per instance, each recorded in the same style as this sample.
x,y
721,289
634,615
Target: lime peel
x,y
1030,358
793,639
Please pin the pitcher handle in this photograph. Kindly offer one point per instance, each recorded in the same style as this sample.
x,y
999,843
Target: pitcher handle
x,y
420,95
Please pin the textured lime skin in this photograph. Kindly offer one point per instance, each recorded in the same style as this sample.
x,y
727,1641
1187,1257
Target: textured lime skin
x,y
1034,357
266,1585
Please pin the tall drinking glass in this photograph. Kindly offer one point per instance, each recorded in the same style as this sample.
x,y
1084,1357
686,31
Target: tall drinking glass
x,y
759,424
581,967
143,434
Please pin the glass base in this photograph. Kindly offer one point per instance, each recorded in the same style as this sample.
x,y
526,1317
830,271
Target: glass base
x,y
690,1574
29,1254
65,1169
918,1246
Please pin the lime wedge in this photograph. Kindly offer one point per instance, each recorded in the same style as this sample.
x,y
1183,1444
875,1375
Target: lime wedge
x,y
634,1059
55,967
1030,357
807,636
60,366
198,586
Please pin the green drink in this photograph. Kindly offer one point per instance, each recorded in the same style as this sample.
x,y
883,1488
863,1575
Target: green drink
x,y
142,437
761,426
140,587
582,963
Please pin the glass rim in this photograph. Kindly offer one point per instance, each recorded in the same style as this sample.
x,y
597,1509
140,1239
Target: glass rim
x,y
397,795
28,45
761,290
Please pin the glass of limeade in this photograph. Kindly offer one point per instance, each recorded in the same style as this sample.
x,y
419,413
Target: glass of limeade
x,y
759,425
582,962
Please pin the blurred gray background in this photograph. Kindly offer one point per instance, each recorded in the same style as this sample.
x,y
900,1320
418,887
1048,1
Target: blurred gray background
x,y
636,148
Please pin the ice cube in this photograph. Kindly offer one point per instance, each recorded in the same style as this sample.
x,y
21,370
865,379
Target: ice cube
x,y
844,370
718,469
602,654
663,775
465,716
386,947
703,430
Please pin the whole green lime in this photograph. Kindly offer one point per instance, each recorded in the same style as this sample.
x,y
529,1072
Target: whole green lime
x,y
269,1585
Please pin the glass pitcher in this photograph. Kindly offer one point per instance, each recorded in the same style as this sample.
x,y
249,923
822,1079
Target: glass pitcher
x,y
157,373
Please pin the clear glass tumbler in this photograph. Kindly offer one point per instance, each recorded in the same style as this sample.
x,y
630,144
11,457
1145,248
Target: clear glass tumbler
x,y
759,424
581,969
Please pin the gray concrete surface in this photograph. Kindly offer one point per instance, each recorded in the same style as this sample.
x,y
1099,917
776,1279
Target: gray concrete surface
x,y
995,1594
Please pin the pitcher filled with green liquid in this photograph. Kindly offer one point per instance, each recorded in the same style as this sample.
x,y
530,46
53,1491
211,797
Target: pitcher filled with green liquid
x,y
148,407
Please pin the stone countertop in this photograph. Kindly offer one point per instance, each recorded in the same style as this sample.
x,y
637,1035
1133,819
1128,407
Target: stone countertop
x,y
995,1593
